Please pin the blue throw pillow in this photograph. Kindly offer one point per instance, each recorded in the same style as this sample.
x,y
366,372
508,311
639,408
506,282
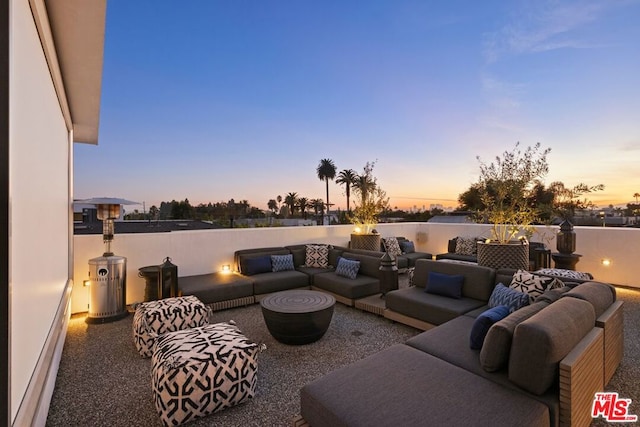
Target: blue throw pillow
x,y
484,322
447,285
282,262
407,246
347,268
503,295
257,265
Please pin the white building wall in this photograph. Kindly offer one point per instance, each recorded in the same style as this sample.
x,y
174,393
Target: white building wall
x,y
205,251
39,201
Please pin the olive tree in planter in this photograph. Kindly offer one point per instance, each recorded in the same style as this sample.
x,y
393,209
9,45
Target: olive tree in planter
x,y
371,201
505,187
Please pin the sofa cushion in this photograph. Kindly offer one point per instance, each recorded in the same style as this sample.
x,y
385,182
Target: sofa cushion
x,y
482,324
412,388
282,262
466,246
533,284
565,274
494,354
257,265
503,295
266,283
407,246
317,256
600,295
544,339
360,287
552,295
478,281
348,268
391,246
447,285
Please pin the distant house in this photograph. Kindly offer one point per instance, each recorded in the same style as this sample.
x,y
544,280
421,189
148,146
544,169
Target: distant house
x,y
451,219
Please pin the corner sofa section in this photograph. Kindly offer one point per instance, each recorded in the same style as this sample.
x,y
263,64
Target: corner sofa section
x,y
539,366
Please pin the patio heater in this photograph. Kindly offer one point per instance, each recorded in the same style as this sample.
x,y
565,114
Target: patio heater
x,y
107,273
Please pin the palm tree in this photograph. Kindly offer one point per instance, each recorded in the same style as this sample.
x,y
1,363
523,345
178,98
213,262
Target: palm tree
x,y
326,171
317,205
347,177
291,200
303,203
635,210
273,205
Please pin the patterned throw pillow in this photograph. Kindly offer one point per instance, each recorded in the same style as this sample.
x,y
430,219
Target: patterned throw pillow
x,y
513,299
348,268
392,246
317,256
533,284
466,245
282,262
568,274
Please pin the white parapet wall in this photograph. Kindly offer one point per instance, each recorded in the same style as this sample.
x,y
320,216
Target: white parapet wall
x,y
206,251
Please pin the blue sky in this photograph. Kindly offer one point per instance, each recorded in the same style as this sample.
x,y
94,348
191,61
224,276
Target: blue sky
x,y
213,100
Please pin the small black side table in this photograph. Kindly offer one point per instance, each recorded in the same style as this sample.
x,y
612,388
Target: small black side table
x,y
565,261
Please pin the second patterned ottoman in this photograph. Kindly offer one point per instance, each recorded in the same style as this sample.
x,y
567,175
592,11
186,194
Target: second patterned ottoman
x,y
199,371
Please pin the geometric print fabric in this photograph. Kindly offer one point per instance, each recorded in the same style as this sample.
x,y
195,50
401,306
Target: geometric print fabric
x,y
391,246
317,256
503,295
154,318
199,371
532,284
282,262
347,268
466,245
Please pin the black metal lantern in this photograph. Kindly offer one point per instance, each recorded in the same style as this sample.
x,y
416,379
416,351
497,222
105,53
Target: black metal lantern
x,y
167,279
388,272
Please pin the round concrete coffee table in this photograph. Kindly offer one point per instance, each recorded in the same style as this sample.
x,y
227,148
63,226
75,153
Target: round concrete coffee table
x,y
297,316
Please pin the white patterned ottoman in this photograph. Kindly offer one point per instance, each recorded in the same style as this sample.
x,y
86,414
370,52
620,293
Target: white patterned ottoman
x,y
155,318
199,371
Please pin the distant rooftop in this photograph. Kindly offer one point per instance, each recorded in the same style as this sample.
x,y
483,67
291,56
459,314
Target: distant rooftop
x,y
121,227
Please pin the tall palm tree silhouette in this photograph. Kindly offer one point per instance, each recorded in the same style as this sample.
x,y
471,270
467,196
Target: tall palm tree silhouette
x,y
326,170
347,177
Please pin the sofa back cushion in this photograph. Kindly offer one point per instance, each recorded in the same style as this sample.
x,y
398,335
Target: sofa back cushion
x,y
478,281
369,266
242,255
599,295
497,344
544,339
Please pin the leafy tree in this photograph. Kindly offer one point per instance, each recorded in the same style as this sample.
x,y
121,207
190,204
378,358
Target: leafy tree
x,y
273,205
506,185
567,201
347,178
373,200
326,170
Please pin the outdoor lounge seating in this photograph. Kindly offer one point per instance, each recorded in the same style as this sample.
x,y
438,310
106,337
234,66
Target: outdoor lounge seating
x,y
530,367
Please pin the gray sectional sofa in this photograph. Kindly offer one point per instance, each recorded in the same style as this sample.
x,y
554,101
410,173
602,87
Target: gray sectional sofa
x,y
539,366
255,279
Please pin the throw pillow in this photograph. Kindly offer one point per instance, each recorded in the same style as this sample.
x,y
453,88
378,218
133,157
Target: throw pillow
x,y
407,247
466,246
392,246
569,274
257,265
533,284
447,285
503,295
483,322
282,262
317,256
348,268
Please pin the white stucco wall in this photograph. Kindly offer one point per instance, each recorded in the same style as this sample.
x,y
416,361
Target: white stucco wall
x,y
39,200
199,252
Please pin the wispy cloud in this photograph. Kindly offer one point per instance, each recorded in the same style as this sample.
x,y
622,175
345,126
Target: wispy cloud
x,y
545,25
